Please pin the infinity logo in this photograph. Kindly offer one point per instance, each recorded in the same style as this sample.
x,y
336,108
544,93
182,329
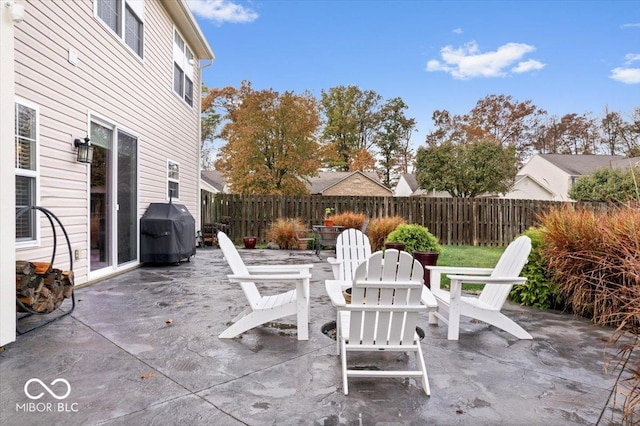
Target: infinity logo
x,y
41,394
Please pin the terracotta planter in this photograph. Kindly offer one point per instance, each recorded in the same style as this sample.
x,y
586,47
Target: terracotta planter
x,y
426,258
302,245
250,242
397,246
328,222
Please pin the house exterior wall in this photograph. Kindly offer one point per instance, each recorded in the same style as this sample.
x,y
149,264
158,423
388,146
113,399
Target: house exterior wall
x,y
357,185
110,82
402,188
527,189
557,181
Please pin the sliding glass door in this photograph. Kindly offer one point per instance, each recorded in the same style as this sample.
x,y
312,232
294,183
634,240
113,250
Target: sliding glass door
x,y
113,238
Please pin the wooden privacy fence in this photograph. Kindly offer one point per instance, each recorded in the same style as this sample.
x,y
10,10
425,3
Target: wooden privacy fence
x,y
455,221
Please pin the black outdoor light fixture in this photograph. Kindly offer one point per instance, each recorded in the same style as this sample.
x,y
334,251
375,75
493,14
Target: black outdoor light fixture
x,y
85,150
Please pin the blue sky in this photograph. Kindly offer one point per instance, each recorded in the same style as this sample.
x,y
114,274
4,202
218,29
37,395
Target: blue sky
x,y
564,56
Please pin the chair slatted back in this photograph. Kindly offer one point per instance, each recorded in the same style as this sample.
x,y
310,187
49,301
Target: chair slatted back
x,y
510,265
352,248
385,299
238,267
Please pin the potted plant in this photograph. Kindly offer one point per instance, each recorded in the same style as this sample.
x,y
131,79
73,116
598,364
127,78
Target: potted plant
x,y
419,242
249,242
327,216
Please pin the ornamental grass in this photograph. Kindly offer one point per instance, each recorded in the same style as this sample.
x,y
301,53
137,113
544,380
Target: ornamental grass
x,y
379,228
595,259
349,220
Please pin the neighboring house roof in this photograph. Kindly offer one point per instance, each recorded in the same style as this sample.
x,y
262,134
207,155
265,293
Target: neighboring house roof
x,y
411,180
214,179
578,165
528,187
325,180
188,27
626,162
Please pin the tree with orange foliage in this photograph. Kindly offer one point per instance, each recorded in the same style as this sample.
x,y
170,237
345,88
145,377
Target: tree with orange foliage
x,y
271,138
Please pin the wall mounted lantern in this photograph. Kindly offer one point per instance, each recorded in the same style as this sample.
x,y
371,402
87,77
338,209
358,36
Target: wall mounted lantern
x,y
85,150
17,11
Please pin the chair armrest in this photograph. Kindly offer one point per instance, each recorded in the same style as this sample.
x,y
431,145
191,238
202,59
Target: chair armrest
x,y
428,299
335,266
279,268
487,280
436,271
334,290
269,278
460,270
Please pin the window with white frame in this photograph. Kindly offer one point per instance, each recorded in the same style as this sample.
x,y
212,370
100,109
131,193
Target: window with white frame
x,y
173,180
182,69
125,18
26,140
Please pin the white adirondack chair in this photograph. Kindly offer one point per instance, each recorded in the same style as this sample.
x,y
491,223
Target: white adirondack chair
x,y
383,313
352,248
263,309
498,283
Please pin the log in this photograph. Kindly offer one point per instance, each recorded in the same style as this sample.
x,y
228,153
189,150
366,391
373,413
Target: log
x,y
24,267
41,288
42,267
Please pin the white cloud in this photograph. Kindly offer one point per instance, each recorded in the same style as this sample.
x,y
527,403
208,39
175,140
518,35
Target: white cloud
x,y
626,75
467,61
527,66
631,57
222,11
458,31
630,26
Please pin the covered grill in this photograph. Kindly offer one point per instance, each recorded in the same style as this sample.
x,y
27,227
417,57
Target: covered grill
x,y
167,234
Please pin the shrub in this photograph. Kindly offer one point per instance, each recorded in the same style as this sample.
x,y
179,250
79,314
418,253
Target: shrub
x,y
538,291
349,220
281,232
379,228
415,238
607,185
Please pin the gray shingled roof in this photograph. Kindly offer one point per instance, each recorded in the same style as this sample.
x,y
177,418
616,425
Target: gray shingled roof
x,y
411,180
213,178
578,165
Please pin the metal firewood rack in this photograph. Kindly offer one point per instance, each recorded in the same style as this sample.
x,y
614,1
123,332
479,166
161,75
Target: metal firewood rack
x,y
28,312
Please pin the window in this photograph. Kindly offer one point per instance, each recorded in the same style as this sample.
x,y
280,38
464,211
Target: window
x,y
182,69
127,14
26,139
173,180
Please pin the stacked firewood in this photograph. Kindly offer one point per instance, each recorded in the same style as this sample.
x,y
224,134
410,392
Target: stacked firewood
x,y
40,287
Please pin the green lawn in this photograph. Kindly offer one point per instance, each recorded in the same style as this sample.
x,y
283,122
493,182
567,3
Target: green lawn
x,y
480,257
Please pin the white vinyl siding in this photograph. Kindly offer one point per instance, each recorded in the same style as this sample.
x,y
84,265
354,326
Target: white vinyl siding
x,y
183,62
26,149
125,18
112,83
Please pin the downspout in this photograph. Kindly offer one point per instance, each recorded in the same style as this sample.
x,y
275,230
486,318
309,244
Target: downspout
x,y
199,179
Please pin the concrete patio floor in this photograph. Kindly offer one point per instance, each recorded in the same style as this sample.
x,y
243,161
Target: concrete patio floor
x,y
142,349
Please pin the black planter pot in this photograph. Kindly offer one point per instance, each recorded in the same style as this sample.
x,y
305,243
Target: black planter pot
x,y
397,246
425,258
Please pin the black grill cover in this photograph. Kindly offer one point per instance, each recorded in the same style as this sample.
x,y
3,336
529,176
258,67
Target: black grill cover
x,y
167,234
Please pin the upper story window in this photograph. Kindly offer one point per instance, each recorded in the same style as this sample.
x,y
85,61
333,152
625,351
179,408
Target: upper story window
x,y
26,140
125,18
173,180
182,69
